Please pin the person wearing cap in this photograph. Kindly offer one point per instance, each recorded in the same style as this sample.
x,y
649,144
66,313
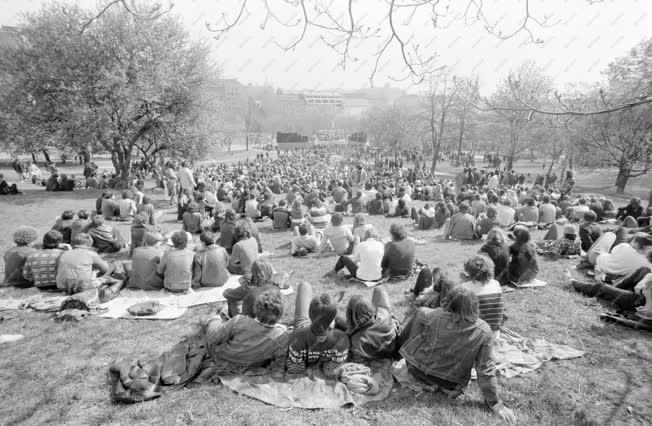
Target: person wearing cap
x,y
567,246
589,230
314,342
523,266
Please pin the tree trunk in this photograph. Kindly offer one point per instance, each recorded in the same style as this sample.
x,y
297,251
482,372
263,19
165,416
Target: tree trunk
x,y
247,141
46,154
461,139
621,180
34,159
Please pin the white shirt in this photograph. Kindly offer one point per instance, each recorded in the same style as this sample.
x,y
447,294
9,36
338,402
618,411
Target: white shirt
x,y
623,260
127,207
505,216
186,180
368,255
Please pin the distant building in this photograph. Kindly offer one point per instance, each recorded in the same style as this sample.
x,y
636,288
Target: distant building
x,y
323,98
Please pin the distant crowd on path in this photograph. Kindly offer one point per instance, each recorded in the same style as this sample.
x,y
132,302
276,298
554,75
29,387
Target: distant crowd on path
x,y
308,195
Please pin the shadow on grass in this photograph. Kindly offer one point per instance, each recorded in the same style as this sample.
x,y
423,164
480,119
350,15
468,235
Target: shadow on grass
x,y
39,195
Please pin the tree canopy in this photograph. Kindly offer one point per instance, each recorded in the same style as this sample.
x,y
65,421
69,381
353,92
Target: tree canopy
x,y
127,85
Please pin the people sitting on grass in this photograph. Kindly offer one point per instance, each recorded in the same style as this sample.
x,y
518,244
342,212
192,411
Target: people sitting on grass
x,y
523,266
41,267
461,225
228,231
243,342
82,268
441,346
305,240
401,209
486,222
555,244
337,236
192,219
245,251
16,256
281,216
398,259
623,259
148,208
106,238
626,294
108,206
242,299
64,223
211,260
371,327
80,224
360,226
176,264
365,262
589,231
314,343
144,263
6,188
480,272
424,218
497,250
375,206
139,230
126,207
505,213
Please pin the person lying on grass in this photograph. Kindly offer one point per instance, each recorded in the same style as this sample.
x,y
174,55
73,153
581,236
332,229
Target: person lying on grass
x,y
441,346
314,343
244,342
626,294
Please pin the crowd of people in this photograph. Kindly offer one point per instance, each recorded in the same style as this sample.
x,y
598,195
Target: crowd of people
x,y
307,195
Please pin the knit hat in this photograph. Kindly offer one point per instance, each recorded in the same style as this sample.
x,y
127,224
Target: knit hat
x,y
322,312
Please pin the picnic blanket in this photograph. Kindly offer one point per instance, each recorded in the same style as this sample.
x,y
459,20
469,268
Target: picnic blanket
x,y
174,305
304,392
515,355
531,284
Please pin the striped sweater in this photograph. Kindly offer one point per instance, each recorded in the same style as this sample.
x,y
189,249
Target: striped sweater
x,y
328,351
490,298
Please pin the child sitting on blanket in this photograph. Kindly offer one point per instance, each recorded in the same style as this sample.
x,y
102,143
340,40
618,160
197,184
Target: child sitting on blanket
x,y
314,342
244,342
441,346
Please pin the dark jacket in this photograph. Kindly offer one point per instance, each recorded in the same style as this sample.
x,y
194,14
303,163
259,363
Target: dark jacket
x,y
438,344
398,258
499,253
589,233
375,339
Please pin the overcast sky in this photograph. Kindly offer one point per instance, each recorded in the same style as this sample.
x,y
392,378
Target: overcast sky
x,y
581,39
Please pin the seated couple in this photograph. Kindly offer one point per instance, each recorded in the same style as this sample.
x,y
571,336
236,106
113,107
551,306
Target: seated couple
x,y
441,346
371,259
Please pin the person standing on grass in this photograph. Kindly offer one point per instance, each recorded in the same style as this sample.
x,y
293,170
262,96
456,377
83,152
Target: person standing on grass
x,y
186,178
171,181
441,346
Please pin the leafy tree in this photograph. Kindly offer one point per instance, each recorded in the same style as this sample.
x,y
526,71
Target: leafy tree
x,y
127,85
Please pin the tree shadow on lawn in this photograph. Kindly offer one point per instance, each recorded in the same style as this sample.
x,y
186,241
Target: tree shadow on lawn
x,y
38,195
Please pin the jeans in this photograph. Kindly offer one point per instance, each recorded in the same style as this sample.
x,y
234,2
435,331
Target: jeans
x,y
234,297
348,263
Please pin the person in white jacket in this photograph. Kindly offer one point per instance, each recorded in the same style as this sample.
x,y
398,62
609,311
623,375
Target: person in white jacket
x,y
186,178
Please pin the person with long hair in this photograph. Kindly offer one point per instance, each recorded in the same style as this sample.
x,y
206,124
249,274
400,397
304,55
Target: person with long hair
x,y
441,346
523,266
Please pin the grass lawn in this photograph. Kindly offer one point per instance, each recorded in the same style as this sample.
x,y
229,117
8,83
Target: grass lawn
x,y
59,372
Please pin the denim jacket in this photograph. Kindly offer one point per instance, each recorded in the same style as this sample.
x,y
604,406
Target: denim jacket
x,y
438,344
